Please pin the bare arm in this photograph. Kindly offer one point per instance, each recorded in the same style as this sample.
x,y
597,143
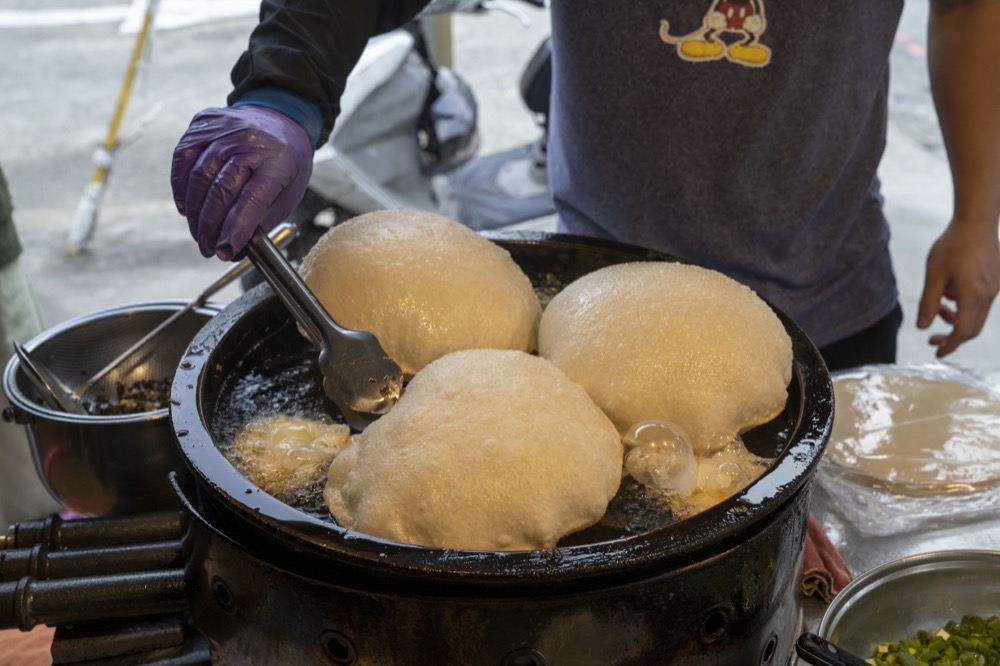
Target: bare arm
x,y
963,266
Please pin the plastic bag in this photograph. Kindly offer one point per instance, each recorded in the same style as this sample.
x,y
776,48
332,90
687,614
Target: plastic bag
x,y
912,447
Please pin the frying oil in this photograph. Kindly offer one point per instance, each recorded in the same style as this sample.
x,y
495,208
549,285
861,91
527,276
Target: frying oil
x,y
292,384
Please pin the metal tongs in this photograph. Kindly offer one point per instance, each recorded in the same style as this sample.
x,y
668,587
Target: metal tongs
x,y
61,397
358,376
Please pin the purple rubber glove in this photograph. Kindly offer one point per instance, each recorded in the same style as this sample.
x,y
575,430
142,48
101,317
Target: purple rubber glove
x,y
236,169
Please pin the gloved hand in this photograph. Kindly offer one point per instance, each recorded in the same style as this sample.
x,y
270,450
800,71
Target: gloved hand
x,y
236,169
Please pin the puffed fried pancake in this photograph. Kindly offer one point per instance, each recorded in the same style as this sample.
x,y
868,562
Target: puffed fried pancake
x,y
663,341
486,450
424,285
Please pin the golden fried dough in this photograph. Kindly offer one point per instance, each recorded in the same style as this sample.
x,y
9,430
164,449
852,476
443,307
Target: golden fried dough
x,y
285,455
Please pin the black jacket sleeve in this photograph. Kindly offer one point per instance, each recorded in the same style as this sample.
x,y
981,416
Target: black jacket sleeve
x,y
310,46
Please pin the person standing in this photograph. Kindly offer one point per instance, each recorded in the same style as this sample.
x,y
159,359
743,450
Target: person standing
x,y
22,493
741,135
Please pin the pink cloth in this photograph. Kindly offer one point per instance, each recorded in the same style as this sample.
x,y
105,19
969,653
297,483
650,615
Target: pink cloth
x,y
824,573
26,648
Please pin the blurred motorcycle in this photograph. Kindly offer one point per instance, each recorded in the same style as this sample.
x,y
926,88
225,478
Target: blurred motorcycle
x,y
407,137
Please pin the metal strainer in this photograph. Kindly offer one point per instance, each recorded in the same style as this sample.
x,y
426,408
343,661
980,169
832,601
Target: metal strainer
x,y
78,349
104,465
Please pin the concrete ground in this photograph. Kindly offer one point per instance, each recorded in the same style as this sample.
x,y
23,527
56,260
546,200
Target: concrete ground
x,y
63,66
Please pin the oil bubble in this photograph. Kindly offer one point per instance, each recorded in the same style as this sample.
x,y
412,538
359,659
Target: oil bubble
x,y
723,476
724,443
660,455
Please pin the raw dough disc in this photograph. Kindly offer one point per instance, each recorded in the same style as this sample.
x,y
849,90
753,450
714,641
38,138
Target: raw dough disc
x,y
916,432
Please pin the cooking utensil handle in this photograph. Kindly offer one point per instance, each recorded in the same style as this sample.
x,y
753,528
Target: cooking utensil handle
x,y
290,287
82,389
43,563
56,532
821,652
282,235
30,602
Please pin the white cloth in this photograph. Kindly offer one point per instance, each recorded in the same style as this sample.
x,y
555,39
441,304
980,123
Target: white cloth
x,y
22,494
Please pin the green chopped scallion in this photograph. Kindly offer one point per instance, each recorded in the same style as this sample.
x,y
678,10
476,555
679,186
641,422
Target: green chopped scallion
x,y
974,641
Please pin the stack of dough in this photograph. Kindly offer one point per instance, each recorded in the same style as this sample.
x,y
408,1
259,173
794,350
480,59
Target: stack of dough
x,y
424,285
486,450
916,429
660,341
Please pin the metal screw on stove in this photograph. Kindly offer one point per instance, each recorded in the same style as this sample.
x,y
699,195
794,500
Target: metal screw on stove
x,y
767,655
223,595
716,626
525,657
338,648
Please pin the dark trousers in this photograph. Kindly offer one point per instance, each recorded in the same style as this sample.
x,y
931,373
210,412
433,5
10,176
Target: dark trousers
x,y
875,344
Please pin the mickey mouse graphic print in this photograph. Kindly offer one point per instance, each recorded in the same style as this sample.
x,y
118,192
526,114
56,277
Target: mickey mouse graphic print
x,y
742,135
731,29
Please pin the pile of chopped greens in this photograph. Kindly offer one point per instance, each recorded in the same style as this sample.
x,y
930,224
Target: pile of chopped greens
x,y
972,642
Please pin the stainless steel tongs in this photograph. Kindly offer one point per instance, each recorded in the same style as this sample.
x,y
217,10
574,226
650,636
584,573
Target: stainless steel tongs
x,y
358,376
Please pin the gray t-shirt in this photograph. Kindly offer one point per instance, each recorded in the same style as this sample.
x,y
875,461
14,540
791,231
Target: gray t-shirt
x,y
743,136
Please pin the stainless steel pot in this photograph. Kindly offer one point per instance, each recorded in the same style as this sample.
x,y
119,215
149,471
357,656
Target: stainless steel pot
x,y
105,465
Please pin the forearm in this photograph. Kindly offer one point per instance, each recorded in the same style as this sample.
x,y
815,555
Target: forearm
x,y
963,53
309,47
963,265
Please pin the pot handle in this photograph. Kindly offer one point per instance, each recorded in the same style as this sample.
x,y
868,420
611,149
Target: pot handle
x,y
30,602
821,652
12,414
55,532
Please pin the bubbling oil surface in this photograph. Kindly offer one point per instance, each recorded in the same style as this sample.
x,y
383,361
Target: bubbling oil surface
x,y
291,384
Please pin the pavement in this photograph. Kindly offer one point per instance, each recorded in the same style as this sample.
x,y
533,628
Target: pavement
x,y
63,66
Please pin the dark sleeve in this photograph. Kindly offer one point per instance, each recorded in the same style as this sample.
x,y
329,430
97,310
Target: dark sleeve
x,y
310,46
